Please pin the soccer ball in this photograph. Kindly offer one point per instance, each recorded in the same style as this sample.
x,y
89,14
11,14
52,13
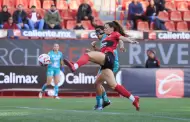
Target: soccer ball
x,y
44,59
50,93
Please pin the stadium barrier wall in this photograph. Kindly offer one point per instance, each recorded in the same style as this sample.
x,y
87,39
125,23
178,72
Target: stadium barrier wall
x,y
25,52
28,80
160,83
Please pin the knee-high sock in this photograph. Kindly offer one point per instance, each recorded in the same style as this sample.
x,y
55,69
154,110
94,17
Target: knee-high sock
x,y
82,61
56,90
122,91
44,87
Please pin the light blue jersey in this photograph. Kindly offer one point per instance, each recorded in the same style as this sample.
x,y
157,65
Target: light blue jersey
x,y
116,63
54,67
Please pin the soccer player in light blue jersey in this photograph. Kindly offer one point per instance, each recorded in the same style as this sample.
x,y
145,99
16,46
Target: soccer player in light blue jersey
x,y
53,70
101,36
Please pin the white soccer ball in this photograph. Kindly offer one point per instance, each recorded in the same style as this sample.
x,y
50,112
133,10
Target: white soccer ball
x,y
50,93
44,59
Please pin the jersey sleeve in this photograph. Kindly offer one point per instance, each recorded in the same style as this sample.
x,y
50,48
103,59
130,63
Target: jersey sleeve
x,y
117,35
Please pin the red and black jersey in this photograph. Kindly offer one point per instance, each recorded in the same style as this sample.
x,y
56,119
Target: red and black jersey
x,y
109,44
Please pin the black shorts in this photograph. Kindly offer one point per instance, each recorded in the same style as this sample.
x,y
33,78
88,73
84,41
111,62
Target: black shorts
x,y
109,61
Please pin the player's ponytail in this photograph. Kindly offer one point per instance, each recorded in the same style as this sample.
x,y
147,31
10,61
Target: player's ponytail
x,y
119,28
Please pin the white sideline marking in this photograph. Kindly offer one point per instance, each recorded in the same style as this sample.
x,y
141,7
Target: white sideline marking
x,y
110,113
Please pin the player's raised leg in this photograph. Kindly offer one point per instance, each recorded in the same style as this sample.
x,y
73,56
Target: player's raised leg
x,y
93,56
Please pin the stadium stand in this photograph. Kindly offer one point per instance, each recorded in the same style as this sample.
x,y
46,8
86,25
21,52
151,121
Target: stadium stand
x,y
179,11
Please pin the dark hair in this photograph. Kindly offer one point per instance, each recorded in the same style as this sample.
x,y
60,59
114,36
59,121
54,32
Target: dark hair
x,y
117,27
20,5
99,27
33,6
4,6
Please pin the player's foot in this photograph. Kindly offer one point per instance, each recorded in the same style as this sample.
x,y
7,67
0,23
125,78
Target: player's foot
x,y
56,97
136,103
106,104
40,95
98,108
69,64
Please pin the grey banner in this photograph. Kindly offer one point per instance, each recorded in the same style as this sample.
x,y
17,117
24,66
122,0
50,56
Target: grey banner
x,y
25,52
139,82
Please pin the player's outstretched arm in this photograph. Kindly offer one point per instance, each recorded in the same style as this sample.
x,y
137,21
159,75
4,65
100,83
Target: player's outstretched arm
x,y
121,46
126,39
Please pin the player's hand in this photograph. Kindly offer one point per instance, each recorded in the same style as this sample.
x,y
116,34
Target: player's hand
x,y
88,50
134,42
93,44
122,49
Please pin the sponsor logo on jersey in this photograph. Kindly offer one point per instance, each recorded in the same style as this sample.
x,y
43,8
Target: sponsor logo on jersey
x,y
169,83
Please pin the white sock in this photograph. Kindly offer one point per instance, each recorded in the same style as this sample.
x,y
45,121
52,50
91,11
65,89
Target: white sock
x,y
76,65
132,98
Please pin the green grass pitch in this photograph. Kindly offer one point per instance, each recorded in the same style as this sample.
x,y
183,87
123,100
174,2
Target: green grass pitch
x,y
80,110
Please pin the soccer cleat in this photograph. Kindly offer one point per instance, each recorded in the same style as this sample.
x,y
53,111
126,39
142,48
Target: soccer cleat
x,y
136,103
56,97
69,64
40,95
106,104
98,108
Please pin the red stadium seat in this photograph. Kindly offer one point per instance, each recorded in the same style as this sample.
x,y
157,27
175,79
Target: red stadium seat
x,y
176,16
63,25
87,25
170,26
9,3
186,16
47,4
152,26
143,26
182,6
170,5
99,22
95,14
23,2
163,16
67,15
1,2
62,5
41,12
182,26
145,5
71,24
127,5
36,3
12,10
90,2
128,25
73,5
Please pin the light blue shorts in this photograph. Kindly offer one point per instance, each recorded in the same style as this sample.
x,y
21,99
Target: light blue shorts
x,y
53,72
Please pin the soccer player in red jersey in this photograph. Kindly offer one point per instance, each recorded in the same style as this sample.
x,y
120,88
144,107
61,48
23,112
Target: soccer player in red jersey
x,y
105,59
